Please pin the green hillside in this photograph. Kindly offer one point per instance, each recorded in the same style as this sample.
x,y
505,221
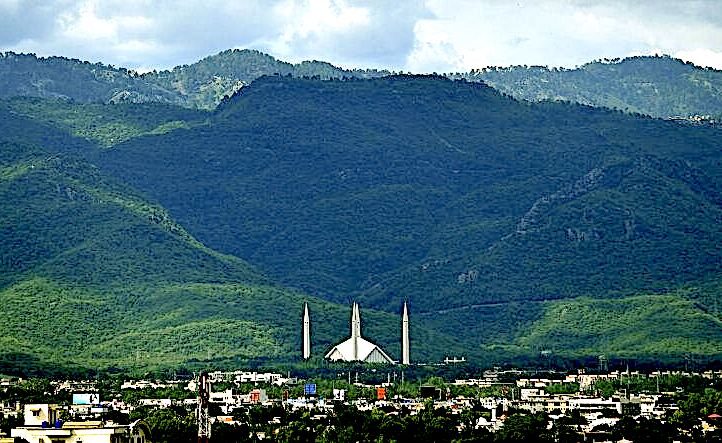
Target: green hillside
x,y
656,86
205,83
642,327
511,227
106,125
93,275
26,75
454,196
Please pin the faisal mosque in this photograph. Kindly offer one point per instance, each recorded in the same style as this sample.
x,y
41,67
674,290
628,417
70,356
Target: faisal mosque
x,y
356,347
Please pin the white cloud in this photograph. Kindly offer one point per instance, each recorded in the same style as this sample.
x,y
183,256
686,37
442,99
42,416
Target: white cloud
x,y
10,6
312,24
702,57
409,35
84,24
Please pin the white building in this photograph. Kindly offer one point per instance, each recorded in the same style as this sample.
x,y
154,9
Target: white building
x,y
357,348
42,426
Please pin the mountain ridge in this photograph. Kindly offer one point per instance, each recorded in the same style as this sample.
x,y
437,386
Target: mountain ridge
x,y
660,86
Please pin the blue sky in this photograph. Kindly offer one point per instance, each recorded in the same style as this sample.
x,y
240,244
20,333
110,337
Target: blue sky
x,y
401,35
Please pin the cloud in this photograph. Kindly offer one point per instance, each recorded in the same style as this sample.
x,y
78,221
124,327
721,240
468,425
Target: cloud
x,y
22,20
466,34
706,58
409,35
361,34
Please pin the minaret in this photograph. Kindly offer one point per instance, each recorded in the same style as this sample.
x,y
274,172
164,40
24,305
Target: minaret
x,y
355,328
405,336
306,333
357,322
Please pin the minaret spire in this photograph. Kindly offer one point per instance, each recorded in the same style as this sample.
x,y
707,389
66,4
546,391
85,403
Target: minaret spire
x,y
355,328
357,324
405,336
306,333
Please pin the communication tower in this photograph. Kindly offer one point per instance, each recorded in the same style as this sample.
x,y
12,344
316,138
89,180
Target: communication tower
x,y
204,419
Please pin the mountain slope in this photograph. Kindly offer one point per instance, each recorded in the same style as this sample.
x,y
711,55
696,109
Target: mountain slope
x,y
204,84
25,75
657,86
106,125
94,275
444,192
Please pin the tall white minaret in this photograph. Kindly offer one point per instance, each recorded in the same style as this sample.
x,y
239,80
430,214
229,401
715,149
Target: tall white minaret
x,y
357,321
306,333
405,336
355,328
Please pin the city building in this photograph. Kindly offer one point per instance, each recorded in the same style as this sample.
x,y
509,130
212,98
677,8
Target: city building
x,y
42,425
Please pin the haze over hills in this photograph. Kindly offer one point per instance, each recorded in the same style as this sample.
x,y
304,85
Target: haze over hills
x,y
657,86
652,85
200,85
152,233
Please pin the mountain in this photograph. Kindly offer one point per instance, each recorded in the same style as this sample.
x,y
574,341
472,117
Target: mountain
x,y
204,84
95,275
659,86
495,217
200,85
25,75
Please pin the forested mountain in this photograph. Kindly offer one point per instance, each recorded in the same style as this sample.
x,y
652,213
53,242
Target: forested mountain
x,y
204,84
200,85
497,218
138,230
25,75
659,86
94,275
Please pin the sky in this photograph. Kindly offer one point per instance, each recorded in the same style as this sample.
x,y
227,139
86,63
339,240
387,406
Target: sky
x,y
418,36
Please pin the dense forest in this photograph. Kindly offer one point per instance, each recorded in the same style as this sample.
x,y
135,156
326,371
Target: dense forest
x,y
150,234
456,197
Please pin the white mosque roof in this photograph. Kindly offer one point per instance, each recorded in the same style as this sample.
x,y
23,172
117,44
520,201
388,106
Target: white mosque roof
x,y
367,351
357,348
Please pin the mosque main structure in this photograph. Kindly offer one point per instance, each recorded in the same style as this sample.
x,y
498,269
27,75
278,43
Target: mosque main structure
x,y
356,347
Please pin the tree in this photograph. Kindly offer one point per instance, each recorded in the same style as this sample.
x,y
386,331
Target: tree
x,y
643,430
524,428
167,426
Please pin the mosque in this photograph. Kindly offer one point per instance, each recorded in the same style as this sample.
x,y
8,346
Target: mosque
x,y
356,347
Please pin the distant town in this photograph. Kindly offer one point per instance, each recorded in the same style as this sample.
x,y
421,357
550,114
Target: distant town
x,y
272,406
359,393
